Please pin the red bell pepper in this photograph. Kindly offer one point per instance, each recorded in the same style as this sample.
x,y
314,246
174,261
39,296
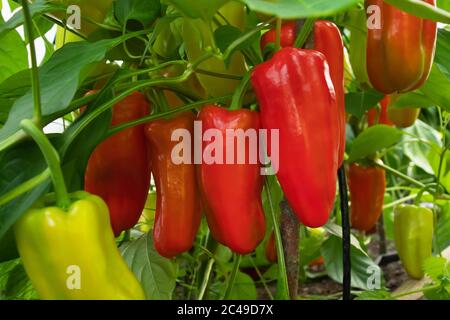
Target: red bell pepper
x,y
271,249
231,193
118,170
367,187
401,50
328,40
178,213
296,96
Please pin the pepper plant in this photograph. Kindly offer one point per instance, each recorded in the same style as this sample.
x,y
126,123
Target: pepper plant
x,y
224,149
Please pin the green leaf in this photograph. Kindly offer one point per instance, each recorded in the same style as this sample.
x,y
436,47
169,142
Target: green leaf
x,y
8,249
425,152
372,140
436,268
244,288
294,9
36,8
443,228
366,274
19,286
357,103
58,85
156,274
143,11
10,90
19,164
421,9
205,9
13,54
412,100
437,88
444,4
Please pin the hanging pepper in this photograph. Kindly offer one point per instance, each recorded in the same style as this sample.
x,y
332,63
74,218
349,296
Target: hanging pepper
x,y
72,255
413,230
375,116
367,187
402,117
199,35
400,51
327,40
118,170
231,193
296,97
178,213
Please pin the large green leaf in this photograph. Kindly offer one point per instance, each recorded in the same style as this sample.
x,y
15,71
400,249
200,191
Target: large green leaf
x,y
143,11
357,103
156,274
13,54
364,271
59,80
291,9
373,140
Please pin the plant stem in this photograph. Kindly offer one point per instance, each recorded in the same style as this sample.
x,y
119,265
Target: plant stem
x,y
399,174
304,33
283,286
53,162
37,117
240,92
263,281
25,187
404,294
232,279
346,235
399,201
206,278
290,236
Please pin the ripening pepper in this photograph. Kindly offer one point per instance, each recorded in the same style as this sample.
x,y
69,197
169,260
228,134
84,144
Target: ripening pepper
x,y
402,117
367,186
296,97
198,35
375,116
72,255
231,188
400,51
118,170
178,212
327,40
413,231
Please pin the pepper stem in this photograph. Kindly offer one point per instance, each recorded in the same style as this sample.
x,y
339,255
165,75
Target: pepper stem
x,y
52,158
239,94
232,280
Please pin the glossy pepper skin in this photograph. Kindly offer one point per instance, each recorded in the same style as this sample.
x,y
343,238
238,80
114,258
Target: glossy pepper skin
x,y
231,193
296,97
118,170
413,231
401,52
367,187
375,116
51,241
178,213
198,36
327,40
402,117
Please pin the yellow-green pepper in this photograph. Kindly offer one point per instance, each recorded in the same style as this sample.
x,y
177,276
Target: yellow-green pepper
x,y
72,255
413,230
